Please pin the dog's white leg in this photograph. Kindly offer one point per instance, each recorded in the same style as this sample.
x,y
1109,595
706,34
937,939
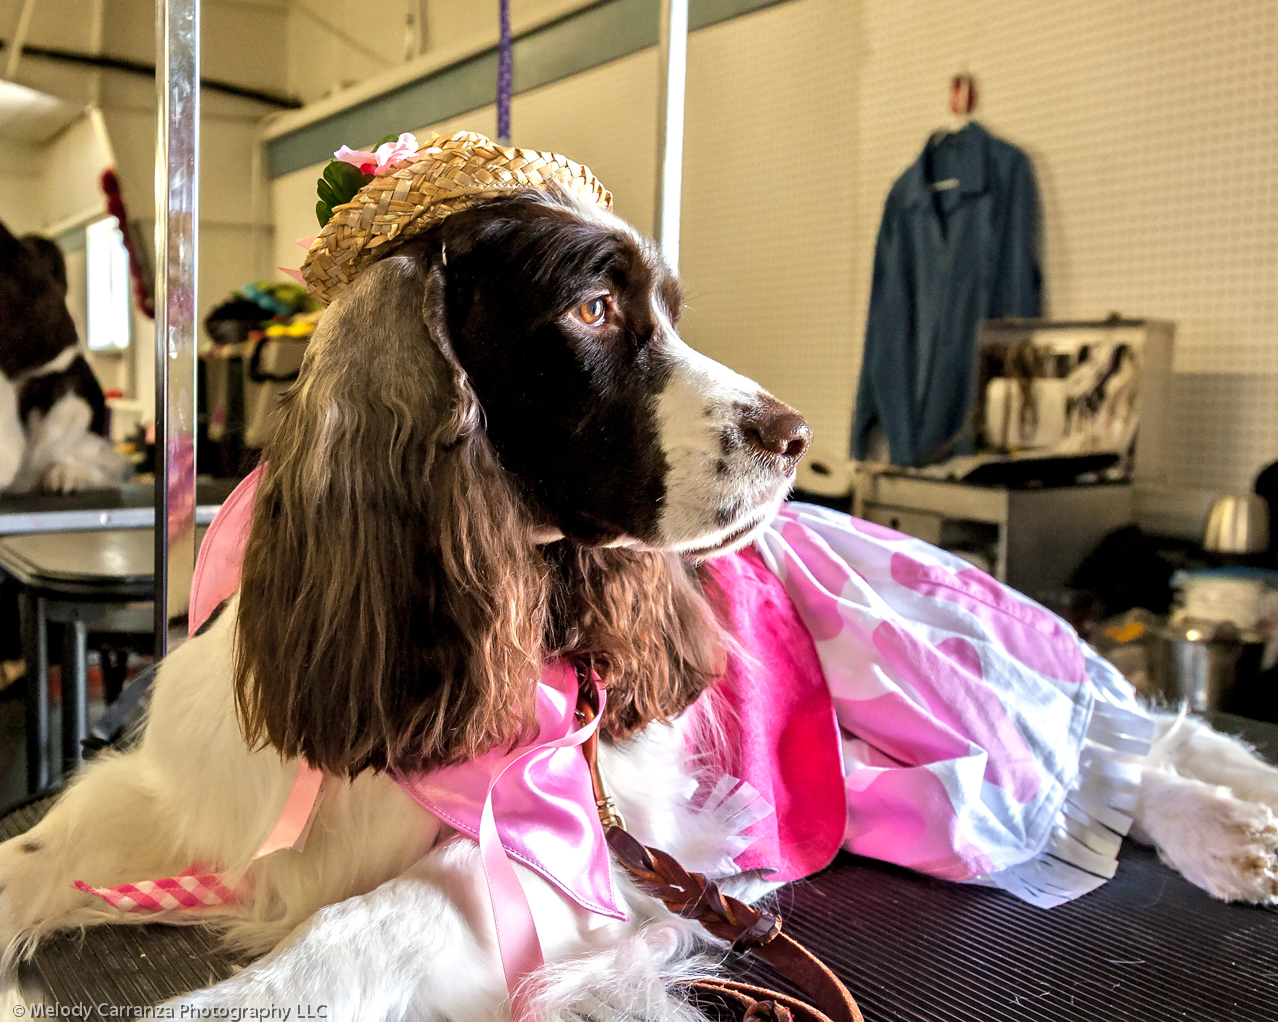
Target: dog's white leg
x,y
50,437
192,792
13,439
1194,749
1222,844
422,946
104,830
1206,804
86,463
143,814
72,457
63,454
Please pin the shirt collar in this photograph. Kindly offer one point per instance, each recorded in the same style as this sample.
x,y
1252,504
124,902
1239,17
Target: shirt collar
x,y
973,148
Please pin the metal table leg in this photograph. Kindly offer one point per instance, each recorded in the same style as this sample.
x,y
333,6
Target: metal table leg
x,y
75,694
35,649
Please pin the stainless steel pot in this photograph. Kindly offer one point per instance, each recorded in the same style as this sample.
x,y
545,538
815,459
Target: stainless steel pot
x,y
1203,666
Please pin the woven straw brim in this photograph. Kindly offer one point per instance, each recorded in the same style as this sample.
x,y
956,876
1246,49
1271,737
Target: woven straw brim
x,y
445,176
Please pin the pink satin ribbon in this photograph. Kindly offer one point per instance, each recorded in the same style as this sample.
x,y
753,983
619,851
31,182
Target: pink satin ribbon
x,y
517,940
294,824
194,887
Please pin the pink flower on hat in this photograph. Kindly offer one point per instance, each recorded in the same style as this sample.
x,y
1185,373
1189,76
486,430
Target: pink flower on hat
x,y
366,162
392,152
387,153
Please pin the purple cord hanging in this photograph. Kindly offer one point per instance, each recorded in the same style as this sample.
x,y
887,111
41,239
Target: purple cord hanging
x,y
503,77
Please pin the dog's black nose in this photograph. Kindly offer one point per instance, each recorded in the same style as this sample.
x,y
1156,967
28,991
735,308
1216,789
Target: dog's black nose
x,y
778,431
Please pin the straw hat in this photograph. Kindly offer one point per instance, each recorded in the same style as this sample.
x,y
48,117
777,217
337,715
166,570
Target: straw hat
x,y
444,176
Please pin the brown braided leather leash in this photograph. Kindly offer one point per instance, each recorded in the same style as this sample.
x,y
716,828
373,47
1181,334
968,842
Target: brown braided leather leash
x,y
693,896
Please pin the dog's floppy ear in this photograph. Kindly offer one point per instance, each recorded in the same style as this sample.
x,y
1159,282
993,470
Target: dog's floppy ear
x,y
392,605
33,305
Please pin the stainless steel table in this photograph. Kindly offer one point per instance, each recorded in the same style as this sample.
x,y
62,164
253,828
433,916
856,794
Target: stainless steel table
x,y
131,506
101,580
1040,535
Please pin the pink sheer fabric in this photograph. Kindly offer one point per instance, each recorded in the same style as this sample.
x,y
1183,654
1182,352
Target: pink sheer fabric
x,y
782,736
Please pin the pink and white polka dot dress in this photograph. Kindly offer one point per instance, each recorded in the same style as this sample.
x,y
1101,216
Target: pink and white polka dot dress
x,y
982,740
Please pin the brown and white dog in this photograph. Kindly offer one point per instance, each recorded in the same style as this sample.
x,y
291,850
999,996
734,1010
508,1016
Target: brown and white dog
x,y
53,416
499,450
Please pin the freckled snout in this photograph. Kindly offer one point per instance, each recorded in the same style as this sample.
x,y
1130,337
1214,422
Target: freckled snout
x,y
777,432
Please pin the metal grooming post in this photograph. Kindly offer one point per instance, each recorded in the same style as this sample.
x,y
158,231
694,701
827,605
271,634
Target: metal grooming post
x,y
671,79
177,205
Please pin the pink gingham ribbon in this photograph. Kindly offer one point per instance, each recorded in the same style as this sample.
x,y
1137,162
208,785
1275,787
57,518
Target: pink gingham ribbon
x,y
188,889
193,888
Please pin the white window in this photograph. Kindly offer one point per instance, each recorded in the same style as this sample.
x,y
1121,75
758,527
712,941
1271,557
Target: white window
x,y
107,269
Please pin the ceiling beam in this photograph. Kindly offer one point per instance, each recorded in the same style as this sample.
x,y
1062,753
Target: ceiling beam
x,y
139,67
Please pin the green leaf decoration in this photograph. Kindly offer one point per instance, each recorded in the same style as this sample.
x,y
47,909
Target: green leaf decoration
x,y
325,191
339,184
344,179
392,137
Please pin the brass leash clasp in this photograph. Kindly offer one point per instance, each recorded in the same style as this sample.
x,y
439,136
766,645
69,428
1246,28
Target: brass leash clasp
x,y
587,710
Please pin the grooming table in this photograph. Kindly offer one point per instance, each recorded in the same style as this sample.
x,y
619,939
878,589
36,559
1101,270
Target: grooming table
x,y
131,506
80,580
1146,947
101,580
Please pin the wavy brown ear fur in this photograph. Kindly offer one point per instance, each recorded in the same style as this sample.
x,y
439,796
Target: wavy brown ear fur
x,y
392,605
642,621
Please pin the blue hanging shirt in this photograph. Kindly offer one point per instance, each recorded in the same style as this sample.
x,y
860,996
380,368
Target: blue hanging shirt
x,y
945,260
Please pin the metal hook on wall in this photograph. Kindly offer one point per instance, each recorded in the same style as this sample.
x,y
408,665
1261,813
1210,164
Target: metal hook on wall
x,y
962,95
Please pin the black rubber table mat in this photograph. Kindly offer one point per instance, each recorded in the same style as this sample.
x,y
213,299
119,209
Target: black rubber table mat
x,y
127,965
1146,947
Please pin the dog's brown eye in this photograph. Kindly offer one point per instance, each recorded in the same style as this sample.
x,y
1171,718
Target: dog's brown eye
x,y
592,312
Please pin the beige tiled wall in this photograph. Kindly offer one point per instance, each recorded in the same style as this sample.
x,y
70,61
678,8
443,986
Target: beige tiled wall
x,y
605,118
770,219
1154,132
336,43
